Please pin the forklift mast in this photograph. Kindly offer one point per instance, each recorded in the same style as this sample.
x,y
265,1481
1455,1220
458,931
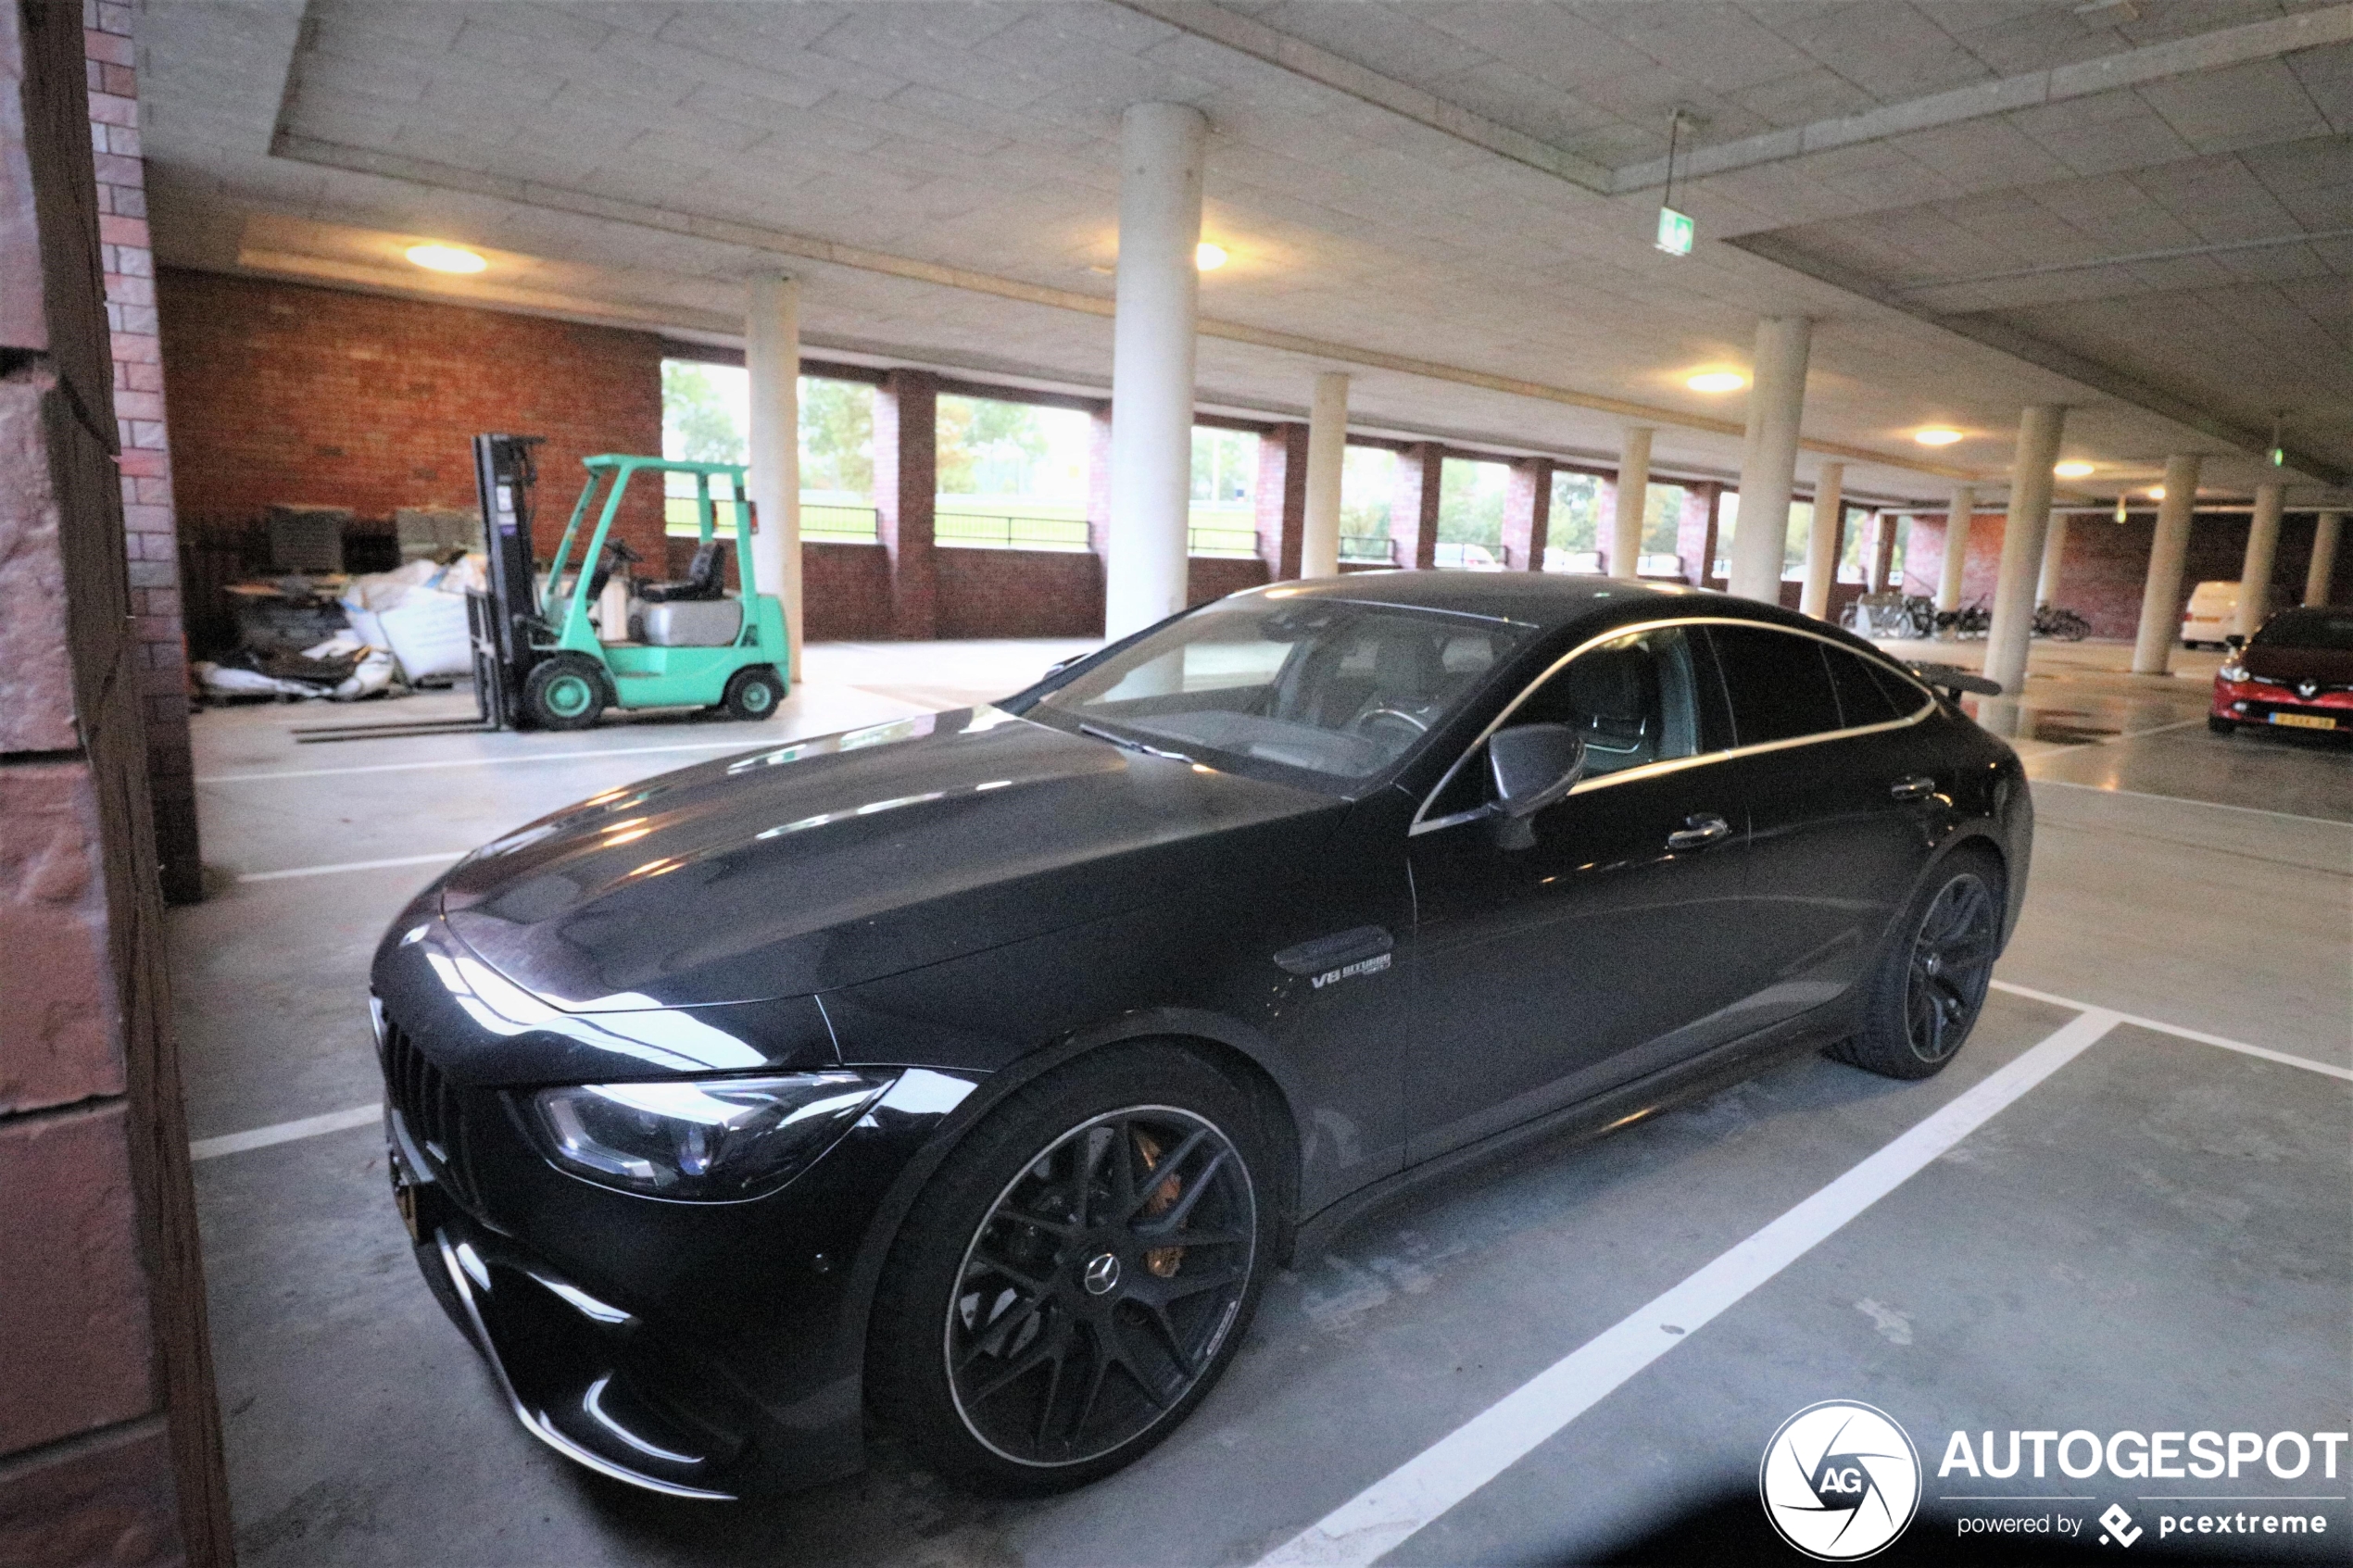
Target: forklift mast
x,y
505,471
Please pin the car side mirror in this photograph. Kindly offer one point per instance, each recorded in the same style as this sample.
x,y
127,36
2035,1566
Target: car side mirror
x,y
2234,641
1533,766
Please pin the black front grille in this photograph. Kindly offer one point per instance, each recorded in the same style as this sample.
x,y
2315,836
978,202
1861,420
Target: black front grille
x,y
430,1108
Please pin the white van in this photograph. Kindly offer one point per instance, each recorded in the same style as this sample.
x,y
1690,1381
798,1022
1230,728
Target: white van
x,y
2213,615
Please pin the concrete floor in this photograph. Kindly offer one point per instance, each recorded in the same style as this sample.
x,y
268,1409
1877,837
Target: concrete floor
x,y
2158,1236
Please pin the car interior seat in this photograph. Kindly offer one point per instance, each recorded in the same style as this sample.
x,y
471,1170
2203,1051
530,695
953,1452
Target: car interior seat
x,y
1612,693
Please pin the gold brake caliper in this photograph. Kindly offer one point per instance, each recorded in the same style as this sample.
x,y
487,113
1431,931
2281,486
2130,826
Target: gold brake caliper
x,y
1162,1260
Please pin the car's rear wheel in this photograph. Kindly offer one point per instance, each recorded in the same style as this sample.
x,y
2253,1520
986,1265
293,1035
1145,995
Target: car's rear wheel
x,y
1077,1276
1931,983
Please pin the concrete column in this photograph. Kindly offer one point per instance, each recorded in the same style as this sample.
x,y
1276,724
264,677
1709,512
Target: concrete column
x,y
2046,585
1633,493
771,355
2316,577
1879,567
1151,389
1695,532
2005,642
2160,625
1957,521
1769,456
2262,549
906,494
1824,541
1413,507
1326,449
1527,514
1282,498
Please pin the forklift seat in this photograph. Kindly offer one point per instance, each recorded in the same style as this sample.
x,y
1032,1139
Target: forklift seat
x,y
703,579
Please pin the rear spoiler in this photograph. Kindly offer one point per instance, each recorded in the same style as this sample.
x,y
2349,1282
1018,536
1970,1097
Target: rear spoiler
x,y
1953,681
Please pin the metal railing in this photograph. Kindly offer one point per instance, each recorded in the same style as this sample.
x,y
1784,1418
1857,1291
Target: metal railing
x,y
970,530
840,525
1221,541
1369,548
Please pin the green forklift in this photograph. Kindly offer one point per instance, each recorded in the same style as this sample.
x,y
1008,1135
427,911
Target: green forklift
x,y
685,643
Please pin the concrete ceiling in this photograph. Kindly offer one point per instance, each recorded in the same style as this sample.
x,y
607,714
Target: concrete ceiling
x,y
2126,208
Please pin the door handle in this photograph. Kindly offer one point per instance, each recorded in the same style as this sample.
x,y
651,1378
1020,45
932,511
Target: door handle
x,y
1698,829
1919,786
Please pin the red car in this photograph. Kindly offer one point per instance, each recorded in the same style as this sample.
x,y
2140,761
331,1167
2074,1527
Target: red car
x,y
2298,673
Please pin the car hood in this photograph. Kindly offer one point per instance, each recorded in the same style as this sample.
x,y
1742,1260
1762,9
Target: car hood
x,y
2331,666
831,861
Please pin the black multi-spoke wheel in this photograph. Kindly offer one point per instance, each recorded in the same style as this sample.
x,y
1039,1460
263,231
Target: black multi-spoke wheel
x,y
1929,991
1099,1288
1082,1269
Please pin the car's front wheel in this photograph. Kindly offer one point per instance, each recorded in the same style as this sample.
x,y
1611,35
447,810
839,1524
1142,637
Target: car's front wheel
x,y
1078,1274
1931,983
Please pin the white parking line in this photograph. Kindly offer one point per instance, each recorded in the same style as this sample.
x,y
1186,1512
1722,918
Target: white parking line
x,y
737,744
2266,1052
284,1132
2185,800
1384,1514
436,858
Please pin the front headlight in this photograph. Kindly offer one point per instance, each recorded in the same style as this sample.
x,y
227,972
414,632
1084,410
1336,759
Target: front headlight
x,y
710,1139
2233,671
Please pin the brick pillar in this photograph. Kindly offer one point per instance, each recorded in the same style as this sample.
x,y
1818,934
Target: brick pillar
x,y
1695,531
906,487
1883,558
152,542
109,1439
1282,498
1527,514
1412,508
1099,480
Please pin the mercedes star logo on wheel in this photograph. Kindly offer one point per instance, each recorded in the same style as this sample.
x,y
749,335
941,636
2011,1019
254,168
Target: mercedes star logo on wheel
x,y
1103,1273
1840,1480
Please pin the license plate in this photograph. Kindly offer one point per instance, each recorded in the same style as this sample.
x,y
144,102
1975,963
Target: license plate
x,y
2304,720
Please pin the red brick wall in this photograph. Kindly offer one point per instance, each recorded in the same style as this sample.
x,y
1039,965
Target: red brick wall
x,y
845,593
282,392
1213,577
1019,593
2105,563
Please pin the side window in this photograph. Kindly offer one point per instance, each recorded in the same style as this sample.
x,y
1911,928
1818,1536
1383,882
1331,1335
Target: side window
x,y
1861,700
1779,683
1907,698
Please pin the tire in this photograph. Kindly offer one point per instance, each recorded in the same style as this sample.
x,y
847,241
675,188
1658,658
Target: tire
x,y
1931,983
2221,726
753,692
1025,1337
566,692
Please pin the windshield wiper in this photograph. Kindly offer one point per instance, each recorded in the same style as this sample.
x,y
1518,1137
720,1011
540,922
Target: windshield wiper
x,y
1124,743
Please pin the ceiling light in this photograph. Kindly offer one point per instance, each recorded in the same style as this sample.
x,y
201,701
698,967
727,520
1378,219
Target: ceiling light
x,y
2072,471
446,259
1209,257
1717,381
1937,437
2157,491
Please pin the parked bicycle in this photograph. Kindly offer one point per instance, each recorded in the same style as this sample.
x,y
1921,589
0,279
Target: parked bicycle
x,y
1891,615
1969,621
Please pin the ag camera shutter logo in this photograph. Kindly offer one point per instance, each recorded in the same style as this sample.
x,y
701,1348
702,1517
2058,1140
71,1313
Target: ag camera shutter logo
x,y
1840,1480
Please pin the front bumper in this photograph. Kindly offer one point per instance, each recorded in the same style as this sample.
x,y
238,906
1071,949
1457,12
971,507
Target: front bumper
x,y
2259,702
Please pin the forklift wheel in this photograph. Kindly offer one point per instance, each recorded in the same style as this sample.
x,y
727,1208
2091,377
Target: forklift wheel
x,y
754,693
564,694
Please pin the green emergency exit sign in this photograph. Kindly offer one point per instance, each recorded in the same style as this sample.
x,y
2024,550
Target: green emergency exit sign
x,y
1676,231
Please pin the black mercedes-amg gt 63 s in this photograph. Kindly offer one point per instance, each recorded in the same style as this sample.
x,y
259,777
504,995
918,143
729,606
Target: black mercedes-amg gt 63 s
x,y
967,1074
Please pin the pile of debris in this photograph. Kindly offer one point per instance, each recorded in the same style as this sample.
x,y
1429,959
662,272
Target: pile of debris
x,y
389,632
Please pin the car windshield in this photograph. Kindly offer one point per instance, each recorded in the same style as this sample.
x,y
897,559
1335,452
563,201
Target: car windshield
x,y
1319,692
2330,629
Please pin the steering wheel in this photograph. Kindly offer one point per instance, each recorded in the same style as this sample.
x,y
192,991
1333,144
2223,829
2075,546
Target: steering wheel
x,y
623,552
1373,719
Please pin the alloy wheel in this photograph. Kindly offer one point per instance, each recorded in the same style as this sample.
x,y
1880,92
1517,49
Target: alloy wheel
x,y
1952,963
1098,1290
